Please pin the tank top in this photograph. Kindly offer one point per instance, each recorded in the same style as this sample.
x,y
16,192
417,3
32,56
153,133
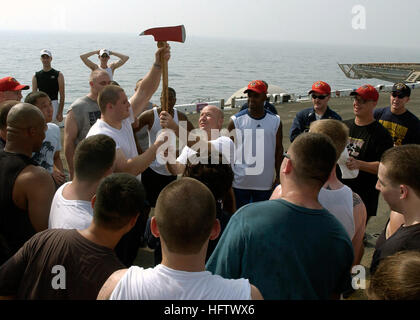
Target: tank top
x,y
109,71
15,226
340,204
48,82
155,166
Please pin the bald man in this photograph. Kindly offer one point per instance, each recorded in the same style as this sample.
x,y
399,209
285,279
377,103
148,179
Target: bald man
x,y
27,190
210,122
82,115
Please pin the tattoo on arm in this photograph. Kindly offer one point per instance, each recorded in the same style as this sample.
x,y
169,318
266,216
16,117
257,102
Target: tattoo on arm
x,y
356,199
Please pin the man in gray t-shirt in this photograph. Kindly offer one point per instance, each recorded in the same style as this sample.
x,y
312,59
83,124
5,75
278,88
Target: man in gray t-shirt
x,y
82,114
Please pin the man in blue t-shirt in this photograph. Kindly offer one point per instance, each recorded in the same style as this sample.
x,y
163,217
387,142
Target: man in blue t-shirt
x,y
320,94
403,126
290,248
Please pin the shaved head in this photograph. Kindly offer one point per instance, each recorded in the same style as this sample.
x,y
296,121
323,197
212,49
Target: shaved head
x,y
211,117
25,129
25,115
185,213
97,73
217,111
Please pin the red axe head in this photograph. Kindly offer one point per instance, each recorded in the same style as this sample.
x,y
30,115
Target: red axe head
x,y
166,33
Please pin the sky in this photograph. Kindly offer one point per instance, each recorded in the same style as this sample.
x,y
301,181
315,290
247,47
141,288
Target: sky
x,y
361,22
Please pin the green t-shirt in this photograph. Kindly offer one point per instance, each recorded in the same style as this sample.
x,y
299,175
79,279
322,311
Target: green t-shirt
x,y
286,251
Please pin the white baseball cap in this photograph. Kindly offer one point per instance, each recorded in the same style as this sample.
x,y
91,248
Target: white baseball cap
x,y
104,51
47,52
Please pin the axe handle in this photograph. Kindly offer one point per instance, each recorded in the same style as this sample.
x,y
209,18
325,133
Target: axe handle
x,y
164,64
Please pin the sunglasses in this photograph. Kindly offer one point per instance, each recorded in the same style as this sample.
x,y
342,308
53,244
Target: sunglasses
x,y
314,96
399,95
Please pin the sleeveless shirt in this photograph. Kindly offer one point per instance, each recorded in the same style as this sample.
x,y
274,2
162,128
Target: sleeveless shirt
x,y
15,226
48,82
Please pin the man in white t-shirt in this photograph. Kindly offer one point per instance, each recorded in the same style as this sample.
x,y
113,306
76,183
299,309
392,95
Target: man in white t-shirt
x,y
93,160
49,155
185,220
211,122
118,113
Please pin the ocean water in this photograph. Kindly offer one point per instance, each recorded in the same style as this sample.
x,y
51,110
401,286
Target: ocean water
x,y
200,68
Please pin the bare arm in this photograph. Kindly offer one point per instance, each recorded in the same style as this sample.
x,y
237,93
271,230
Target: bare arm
x,y
369,167
279,154
255,293
150,83
110,284
87,62
34,84
231,126
119,63
33,191
61,90
70,135
58,173
359,216
140,163
175,168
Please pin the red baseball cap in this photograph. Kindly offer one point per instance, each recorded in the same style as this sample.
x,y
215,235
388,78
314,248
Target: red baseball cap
x,y
366,92
11,84
257,86
321,87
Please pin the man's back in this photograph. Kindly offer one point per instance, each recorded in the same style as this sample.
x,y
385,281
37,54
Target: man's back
x,y
69,214
30,272
164,283
287,251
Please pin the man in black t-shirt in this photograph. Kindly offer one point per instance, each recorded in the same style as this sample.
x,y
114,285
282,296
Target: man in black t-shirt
x,y
51,82
74,264
368,140
399,184
403,126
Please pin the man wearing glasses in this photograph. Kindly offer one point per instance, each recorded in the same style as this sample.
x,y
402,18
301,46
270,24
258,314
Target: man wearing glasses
x,y
320,94
403,126
368,140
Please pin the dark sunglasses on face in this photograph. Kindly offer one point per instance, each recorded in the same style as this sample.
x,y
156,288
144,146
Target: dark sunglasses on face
x,y
399,95
314,96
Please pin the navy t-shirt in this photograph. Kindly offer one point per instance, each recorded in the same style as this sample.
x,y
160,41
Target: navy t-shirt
x,y
404,128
